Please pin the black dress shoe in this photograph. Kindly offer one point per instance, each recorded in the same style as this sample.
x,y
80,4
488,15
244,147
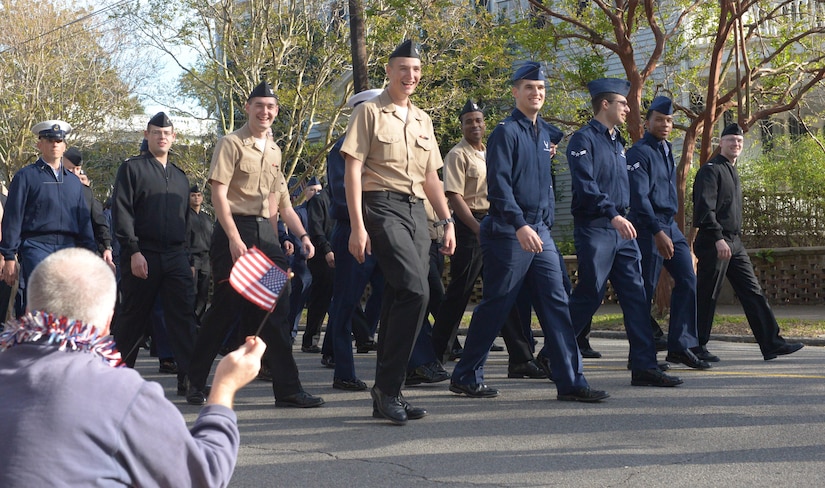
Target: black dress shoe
x,y
544,363
328,361
663,366
455,354
427,373
787,348
196,397
168,366
301,399
496,348
264,374
590,353
388,407
653,377
525,370
583,394
311,349
349,385
702,353
474,390
413,413
687,358
366,347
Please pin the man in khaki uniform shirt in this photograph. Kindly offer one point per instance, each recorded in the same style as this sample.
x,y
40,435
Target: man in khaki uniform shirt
x,y
248,190
465,183
391,161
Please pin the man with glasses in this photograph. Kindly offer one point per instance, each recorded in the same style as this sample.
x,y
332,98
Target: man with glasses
x,y
149,214
717,212
45,210
605,240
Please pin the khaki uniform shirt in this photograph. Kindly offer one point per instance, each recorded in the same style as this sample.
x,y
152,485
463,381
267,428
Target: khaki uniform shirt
x,y
465,173
396,155
251,175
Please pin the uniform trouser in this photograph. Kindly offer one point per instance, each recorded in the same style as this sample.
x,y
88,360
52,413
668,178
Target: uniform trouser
x,y
349,282
422,352
465,268
170,277
602,255
739,271
203,274
300,285
400,243
682,328
228,306
320,294
30,253
506,268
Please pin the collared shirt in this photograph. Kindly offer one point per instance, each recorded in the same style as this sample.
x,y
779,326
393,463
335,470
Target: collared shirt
x,y
465,174
40,204
599,175
251,175
519,183
652,174
717,199
396,154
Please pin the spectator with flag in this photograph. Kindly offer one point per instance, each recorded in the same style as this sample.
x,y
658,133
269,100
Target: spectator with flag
x,y
248,190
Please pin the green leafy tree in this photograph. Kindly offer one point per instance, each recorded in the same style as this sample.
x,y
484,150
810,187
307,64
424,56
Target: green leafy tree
x,y
58,62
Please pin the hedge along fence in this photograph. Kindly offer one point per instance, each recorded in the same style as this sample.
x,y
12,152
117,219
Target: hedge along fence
x,y
789,276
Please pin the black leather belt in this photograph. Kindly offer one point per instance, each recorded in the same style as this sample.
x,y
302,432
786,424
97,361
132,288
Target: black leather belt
x,y
395,196
479,215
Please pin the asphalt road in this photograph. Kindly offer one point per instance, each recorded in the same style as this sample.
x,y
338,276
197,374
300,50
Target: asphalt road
x,y
746,422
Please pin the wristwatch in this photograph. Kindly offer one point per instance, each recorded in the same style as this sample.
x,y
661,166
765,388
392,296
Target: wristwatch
x,y
446,221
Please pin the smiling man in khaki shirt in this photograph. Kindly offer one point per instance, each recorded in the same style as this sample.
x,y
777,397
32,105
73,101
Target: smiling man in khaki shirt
x,y
391,161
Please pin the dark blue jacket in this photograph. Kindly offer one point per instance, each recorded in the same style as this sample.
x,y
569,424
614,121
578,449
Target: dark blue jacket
x,y
599,171
43,206
335,182
653,200
519,183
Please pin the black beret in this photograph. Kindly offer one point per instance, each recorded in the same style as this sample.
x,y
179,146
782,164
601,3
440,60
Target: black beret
x,y
732,130
264,90
73,155
313,181
469,107
407,49
194,189
160,120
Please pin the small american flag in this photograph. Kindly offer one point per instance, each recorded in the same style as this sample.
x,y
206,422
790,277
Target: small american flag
x,y
257,278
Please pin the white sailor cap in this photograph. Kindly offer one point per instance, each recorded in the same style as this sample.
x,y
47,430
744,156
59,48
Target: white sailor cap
x,y
52,129
363,97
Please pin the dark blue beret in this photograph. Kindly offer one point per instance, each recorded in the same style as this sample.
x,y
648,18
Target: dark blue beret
x,y
530,70
661,104
313,181
74,156
608,85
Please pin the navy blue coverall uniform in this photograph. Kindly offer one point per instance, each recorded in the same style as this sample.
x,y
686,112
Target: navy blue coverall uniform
x,y
601,192
520,192
653,203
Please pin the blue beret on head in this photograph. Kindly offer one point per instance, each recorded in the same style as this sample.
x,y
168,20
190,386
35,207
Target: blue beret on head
x,y
530,70
732,130
313,181
52,129
407,49
263,89
469,107
608,85
556,134
661,104
160,120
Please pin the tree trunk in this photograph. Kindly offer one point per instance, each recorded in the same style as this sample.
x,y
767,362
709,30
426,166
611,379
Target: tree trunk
x,y
358,45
